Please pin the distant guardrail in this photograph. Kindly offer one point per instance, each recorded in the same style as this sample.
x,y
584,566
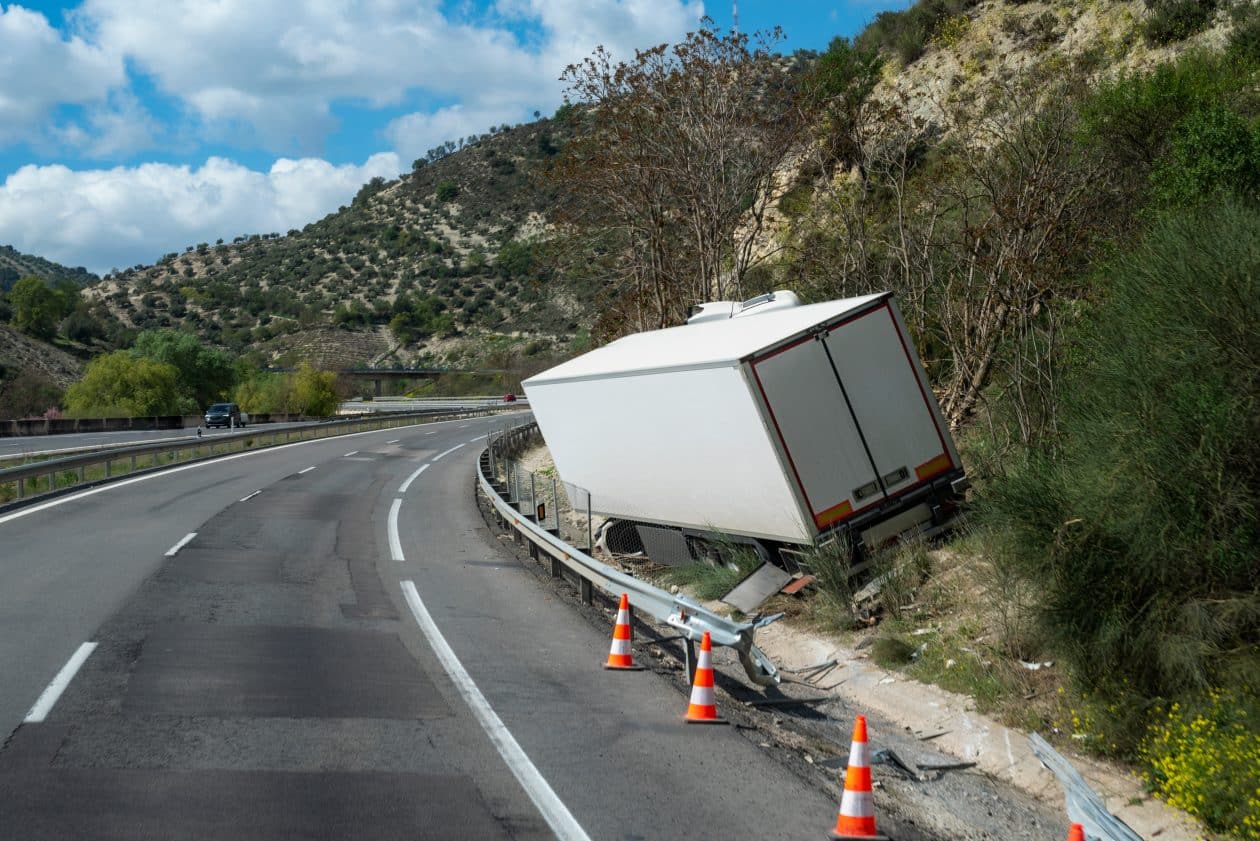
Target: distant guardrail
x,y
28,482
22,427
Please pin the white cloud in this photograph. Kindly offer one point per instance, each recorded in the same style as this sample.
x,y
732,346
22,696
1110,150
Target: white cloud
x,y
276,69
40,70
129,215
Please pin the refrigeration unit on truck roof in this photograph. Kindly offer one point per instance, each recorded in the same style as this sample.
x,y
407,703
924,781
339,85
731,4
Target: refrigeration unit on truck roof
x,y
784,425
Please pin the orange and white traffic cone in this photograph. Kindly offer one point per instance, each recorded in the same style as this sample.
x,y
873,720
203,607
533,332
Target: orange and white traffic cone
x,y
622,655
1076,832
857,807
703,709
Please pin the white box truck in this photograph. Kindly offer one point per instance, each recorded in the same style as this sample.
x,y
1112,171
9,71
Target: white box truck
x,y
769,421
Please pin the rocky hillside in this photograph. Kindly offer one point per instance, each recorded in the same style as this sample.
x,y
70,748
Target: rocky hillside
x,y
448,260
15,265
452,246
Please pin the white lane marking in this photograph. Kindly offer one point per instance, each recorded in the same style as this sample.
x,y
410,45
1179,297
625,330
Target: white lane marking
x,y
434,432
395,545
251,496
351,453
171,471
174,550
307,470
463,426
402,489
43,706
395,441
447,452
554,812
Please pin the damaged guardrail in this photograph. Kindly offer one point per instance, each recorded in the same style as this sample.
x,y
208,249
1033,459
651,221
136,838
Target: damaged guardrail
x,y
688,616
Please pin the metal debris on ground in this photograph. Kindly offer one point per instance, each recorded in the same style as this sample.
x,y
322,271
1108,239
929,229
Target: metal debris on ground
x,y
887,756
787,702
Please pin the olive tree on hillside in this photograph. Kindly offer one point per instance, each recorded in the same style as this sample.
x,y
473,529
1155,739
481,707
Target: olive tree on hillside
x,y
672,165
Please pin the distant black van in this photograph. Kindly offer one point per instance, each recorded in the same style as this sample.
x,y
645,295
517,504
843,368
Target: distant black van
x,y
225,414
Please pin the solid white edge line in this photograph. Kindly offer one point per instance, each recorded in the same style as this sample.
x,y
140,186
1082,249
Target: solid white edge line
x,y
50,696
395,545
351,453
448,452
171,471
402,489
174,550
251,496
308,470
554,812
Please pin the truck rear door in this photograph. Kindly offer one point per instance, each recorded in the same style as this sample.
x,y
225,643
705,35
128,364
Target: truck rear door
x,y
816,430
894,410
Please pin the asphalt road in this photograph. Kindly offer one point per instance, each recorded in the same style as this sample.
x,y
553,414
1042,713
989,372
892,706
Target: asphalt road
x,y
332,656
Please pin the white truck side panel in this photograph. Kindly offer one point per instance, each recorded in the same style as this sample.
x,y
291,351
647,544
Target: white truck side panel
x,y
881,379
817,430
664,446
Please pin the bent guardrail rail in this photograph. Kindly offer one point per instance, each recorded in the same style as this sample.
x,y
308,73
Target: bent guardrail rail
x,y
688,616
1084,806
72,469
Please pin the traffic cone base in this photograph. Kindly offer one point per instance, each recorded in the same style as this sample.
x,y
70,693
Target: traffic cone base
x,y
703,706
621,657
1076,832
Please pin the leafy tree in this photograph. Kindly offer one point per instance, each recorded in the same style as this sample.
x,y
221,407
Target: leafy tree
x,y
36,308
204,374
315,391
119,384
26,394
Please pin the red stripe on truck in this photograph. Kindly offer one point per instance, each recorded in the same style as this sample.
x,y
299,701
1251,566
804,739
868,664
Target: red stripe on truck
x,y
833,514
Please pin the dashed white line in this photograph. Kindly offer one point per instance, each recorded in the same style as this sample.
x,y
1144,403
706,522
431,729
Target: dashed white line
x,y
447,452
402,489
395,545
307,470
43,706
395,441
251,496
463,426
351,453
554,812
434,432
174,550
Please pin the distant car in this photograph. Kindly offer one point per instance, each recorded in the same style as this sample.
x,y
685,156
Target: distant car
x,y
509,398
225,414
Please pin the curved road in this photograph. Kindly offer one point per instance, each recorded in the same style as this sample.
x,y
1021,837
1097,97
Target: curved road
x,y
342,650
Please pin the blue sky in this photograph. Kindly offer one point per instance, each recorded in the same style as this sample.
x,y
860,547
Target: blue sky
x,y
130,128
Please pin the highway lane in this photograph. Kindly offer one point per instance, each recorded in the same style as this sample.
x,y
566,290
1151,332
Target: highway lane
x,y
272,679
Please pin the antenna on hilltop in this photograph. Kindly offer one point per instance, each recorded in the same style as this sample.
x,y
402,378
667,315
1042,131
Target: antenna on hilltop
x,y
735,16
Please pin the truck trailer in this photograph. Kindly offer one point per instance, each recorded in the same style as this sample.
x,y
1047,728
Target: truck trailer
x,y
768,422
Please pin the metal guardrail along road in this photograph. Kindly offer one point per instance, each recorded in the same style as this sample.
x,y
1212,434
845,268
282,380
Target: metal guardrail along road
x,y
689,617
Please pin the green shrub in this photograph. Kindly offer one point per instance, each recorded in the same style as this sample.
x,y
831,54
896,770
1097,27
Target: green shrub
x,y
1244,41
1203,758
447,190
1140,529
1213,150
1176,20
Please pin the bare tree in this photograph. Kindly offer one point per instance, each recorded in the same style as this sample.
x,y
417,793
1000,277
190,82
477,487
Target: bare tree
x,y
672,161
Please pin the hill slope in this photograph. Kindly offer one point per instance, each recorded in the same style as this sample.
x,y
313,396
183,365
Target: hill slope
x,y
15,265
457,233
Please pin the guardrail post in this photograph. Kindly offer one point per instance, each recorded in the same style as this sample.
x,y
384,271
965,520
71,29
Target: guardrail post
x,y
108,466
52,481
533,499
587,591
82,472
21,488
555,501
133,464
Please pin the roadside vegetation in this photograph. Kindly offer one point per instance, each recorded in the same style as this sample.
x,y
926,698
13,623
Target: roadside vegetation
x,y
1082,287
